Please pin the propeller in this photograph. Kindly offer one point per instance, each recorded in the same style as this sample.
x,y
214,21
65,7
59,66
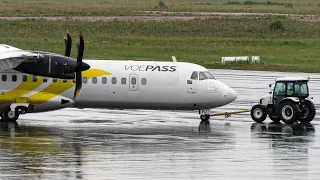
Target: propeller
x,y
79,67
67,44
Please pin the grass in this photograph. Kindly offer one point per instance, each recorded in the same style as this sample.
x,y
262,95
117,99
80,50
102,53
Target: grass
x,y
293,48
129,7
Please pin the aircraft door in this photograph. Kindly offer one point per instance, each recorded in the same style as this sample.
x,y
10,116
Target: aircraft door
x,y
133,82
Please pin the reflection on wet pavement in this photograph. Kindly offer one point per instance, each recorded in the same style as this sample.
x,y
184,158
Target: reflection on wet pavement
x,y
142,144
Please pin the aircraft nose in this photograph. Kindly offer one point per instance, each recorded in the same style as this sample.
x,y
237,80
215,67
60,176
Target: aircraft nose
x,y
232,95
229,95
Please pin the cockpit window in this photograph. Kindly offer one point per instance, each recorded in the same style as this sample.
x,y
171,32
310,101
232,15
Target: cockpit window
x,y
194,75
202,76
209,75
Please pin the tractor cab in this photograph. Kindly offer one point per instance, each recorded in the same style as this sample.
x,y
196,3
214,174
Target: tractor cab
x,y
290,87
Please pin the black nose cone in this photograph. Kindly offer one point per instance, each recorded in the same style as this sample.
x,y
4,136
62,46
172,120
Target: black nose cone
x,y
85,66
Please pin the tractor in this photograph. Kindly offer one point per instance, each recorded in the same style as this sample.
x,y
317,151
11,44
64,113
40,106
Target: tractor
x,y
289,102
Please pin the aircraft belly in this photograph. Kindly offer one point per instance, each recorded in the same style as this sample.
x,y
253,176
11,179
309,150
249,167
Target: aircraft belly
x,y
151,98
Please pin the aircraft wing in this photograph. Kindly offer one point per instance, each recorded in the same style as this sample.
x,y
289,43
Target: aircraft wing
x,y
11,57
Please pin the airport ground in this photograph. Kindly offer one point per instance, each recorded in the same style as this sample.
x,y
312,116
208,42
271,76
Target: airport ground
x,y
284,42
146,144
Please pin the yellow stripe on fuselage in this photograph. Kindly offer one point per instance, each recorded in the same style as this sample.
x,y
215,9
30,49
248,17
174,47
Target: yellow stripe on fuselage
x,y
59,87
20,90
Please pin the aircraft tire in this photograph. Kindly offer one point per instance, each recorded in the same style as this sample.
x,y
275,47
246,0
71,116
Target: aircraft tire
x,y
10,116
258,113
205,117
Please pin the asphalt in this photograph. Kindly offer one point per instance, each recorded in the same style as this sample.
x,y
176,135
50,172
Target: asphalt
x,y
147,144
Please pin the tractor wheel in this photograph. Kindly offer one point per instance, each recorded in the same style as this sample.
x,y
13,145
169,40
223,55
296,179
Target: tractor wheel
x,y
289,112
274,117
308,112
258,113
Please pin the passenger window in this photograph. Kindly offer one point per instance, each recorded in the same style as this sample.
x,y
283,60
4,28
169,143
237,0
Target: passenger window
x,y
133,81
44,79
194,75
24,78
143,81
14,78
4,77
114,80
84,80
64,80
54,79
94,80
123,80
202,76
209,75
34,78
104,80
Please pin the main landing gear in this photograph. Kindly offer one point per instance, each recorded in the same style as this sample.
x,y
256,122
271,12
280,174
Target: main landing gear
x,y
12,116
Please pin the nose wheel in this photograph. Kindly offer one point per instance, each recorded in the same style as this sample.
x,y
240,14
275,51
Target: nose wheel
x,y
205,117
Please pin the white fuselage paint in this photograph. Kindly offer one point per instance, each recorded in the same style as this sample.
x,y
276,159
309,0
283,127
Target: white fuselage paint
x,y
168,86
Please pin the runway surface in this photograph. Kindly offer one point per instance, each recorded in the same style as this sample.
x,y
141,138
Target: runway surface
x,y
145,144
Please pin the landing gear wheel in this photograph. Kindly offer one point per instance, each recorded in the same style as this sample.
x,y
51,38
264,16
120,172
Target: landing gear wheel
x,y
274,117
289,112
205,117
308,112
10,116
258,113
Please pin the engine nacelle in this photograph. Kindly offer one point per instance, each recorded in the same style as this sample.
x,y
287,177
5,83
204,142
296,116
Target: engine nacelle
x,y
51,65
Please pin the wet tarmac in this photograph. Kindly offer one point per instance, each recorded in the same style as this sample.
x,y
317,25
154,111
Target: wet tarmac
x,y
145,144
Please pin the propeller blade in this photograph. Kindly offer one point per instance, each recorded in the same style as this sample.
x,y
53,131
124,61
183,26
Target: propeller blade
x,y
79,67
67,44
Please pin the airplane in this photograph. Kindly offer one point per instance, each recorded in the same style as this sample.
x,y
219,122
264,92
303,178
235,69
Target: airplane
x,y
36,81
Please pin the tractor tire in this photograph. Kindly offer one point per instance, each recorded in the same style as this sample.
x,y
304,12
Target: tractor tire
x,y
274,117
258,113
308,113
289,112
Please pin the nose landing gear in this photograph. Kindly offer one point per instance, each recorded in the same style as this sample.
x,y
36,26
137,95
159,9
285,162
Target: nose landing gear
x,y
205,117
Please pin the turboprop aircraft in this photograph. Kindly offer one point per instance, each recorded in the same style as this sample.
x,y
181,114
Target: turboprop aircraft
x,y
35,81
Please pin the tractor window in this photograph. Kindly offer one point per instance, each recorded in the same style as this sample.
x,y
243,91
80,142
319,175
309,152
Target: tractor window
x,y
280,89
290,89
301,89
